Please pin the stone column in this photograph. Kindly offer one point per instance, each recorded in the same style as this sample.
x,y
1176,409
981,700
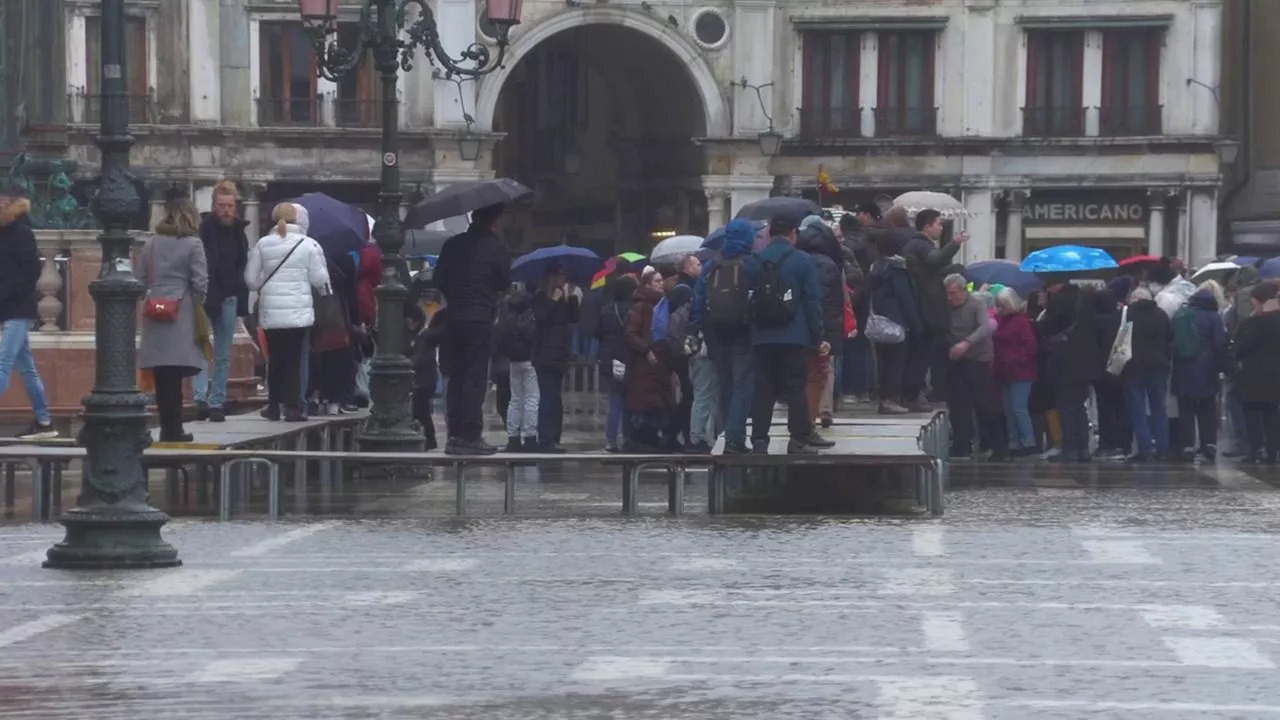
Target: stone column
x,y
155,192
1184,228
717,202
1155,226
236,84
1013,226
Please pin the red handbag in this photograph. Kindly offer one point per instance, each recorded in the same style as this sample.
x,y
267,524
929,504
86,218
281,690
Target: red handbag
x,y
158,308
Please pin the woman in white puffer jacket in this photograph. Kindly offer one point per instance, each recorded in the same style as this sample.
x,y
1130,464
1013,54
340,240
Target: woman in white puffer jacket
x,y
283,267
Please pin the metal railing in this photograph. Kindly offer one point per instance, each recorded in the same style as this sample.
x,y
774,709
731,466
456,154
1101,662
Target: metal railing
x,y
906,122
1130,120
289,112
830,122
1053,121
84,108
358,113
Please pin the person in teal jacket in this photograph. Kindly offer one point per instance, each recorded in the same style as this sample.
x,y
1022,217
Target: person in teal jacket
x,y
782,353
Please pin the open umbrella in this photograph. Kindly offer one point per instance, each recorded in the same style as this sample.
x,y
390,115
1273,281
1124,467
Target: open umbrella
x,y
1068,259
424,242
462,198
338,227
1003,272
1218,271
578,263
673,249
798,208
917,200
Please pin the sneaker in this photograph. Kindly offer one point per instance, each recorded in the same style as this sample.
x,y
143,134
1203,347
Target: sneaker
x,y
202,411
612,448
514,445
735,448
185,437
825,419
217,415
760,447
457,446
817,441
39,431
795,447
1209,452
295,416
698,448
1138,458
270,412
550,448
891,408
348,408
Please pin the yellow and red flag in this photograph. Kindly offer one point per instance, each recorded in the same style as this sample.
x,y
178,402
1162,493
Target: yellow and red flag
x,y
824,182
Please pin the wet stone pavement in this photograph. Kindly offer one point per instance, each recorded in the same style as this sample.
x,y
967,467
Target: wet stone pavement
x,y
1058,601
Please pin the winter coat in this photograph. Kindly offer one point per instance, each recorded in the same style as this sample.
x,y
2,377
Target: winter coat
x,y
473,270
611,329
648,385
1152,338
1070,329
1257,355
738,238
19,263
1014,342
927,264
824,250
556,320
1107,316
798,273
426,366
226,251
173,267
514,342
1173,296
1198,377
284,300
892,295
368,276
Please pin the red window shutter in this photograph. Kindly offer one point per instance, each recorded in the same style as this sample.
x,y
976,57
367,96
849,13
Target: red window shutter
x,y
1154,44
1110,44
930,61
885,62
1033,68
853,64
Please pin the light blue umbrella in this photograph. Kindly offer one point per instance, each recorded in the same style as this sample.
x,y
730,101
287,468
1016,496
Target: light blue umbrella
x,y
1068,259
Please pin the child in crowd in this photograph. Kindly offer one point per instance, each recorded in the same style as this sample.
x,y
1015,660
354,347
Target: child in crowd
x,y
426,368
517,334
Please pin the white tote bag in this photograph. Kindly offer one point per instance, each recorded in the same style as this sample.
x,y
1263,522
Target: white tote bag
x,y
1122,348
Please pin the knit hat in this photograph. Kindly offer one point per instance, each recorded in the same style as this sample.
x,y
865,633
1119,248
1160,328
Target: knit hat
x,y
1121,286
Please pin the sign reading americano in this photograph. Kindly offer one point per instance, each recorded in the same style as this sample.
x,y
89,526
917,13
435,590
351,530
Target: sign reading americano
x,y
1103,213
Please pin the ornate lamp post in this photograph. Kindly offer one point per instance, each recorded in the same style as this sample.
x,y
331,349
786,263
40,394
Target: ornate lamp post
x,y
113,525
391,426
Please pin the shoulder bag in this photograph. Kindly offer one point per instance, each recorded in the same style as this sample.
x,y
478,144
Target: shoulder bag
x,y
1122,348
154,307
883,331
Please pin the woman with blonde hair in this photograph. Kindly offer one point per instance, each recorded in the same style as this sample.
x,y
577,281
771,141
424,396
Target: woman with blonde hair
x,y
175,330
283,268
1215,289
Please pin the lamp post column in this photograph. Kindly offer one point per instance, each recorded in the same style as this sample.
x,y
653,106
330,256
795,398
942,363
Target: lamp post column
x,y
113,524
390,427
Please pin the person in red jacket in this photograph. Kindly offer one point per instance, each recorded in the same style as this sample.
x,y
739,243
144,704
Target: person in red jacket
x,y
1014,368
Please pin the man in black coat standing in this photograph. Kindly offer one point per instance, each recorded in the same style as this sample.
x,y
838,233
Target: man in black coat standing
x,y
927,264
227,249
472,273
19,272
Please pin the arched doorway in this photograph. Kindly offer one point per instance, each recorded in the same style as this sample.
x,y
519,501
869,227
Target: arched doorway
x,y
601,119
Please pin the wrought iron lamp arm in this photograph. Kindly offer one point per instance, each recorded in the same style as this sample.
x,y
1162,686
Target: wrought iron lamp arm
x,y
425,33
333,61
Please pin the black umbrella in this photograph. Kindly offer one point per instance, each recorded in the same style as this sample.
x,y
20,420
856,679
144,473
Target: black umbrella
x,y
766,209
418,243
463,198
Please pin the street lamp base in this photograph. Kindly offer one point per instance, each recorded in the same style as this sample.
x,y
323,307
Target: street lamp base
x,y
112,539
407,438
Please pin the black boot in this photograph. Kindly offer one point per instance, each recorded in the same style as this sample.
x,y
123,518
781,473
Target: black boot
x,y
514,445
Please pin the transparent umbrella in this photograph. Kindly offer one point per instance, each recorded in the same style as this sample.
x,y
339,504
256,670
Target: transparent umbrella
x,y
675,248
918,200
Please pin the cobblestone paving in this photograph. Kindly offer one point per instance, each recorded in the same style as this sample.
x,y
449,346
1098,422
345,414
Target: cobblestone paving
x,y
1054,604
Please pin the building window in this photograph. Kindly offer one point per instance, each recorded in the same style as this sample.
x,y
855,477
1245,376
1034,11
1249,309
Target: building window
x,y
287,81
137,87
830,85
359,100
1055,84
1131,82
904,95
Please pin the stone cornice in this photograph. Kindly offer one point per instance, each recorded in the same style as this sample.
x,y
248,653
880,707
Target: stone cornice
x,y
1017,146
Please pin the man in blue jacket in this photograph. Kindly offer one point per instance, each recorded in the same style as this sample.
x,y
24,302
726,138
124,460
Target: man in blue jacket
x,y
786,329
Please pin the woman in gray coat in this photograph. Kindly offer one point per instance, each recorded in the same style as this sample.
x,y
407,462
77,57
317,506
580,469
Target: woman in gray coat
x,y
173,268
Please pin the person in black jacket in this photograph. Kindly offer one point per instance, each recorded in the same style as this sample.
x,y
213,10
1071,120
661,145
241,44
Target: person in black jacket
x,y
893,297
472,271
19,272
517,337
555,308
1257,354
820,243
1146,376
426,367
1114,434
1069,329
927,264
614,356
227,249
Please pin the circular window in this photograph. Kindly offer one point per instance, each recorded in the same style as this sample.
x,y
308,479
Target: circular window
x,y
487,29
710,28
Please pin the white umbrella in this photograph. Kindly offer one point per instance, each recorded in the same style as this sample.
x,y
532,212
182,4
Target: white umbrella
x,y
1214,271
675,248
918,200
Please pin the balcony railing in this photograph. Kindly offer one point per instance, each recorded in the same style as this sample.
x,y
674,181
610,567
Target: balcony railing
x,y
1053,121
289,112
1131,120
86,108
906,122
358,113
832,122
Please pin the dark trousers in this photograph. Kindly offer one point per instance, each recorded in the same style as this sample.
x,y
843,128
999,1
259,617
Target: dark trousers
x,y
856,376
333,375
780,372
550,405
685,410
465,353
1070,398
169,400
284,367
1263,423
1114,432
926,354
1199,413
892,360
971,397
502,389
422,409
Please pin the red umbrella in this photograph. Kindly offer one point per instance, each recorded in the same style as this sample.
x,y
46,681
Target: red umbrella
x,y
1139,260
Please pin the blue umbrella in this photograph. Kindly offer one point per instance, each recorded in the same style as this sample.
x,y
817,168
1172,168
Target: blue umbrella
x,y
578,263
1003,272
1068,259
715,241
338,227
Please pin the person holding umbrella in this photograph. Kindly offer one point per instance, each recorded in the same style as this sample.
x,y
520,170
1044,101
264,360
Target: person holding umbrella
x,y
472,272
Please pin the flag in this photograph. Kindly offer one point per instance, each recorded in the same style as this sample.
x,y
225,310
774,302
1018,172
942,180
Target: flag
x,y
824,182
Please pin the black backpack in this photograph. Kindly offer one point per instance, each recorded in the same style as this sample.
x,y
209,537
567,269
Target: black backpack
x,y
728,296
517,334
773,304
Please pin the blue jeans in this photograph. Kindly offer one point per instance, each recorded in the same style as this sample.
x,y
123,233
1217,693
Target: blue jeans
x,y
1017,418
1143,389
735,375
704,421
15,352
224,330
1235,416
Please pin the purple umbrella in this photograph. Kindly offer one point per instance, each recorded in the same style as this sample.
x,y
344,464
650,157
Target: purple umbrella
x,y
338,227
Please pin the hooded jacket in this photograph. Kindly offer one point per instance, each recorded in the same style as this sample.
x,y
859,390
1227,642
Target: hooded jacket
x,y
284,294
556,320
1152,338
226,248
824,250
799,276
739,235
1198,377
1257,354
19,263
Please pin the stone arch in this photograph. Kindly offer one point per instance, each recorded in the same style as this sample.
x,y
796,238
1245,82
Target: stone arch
x,y
713,104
